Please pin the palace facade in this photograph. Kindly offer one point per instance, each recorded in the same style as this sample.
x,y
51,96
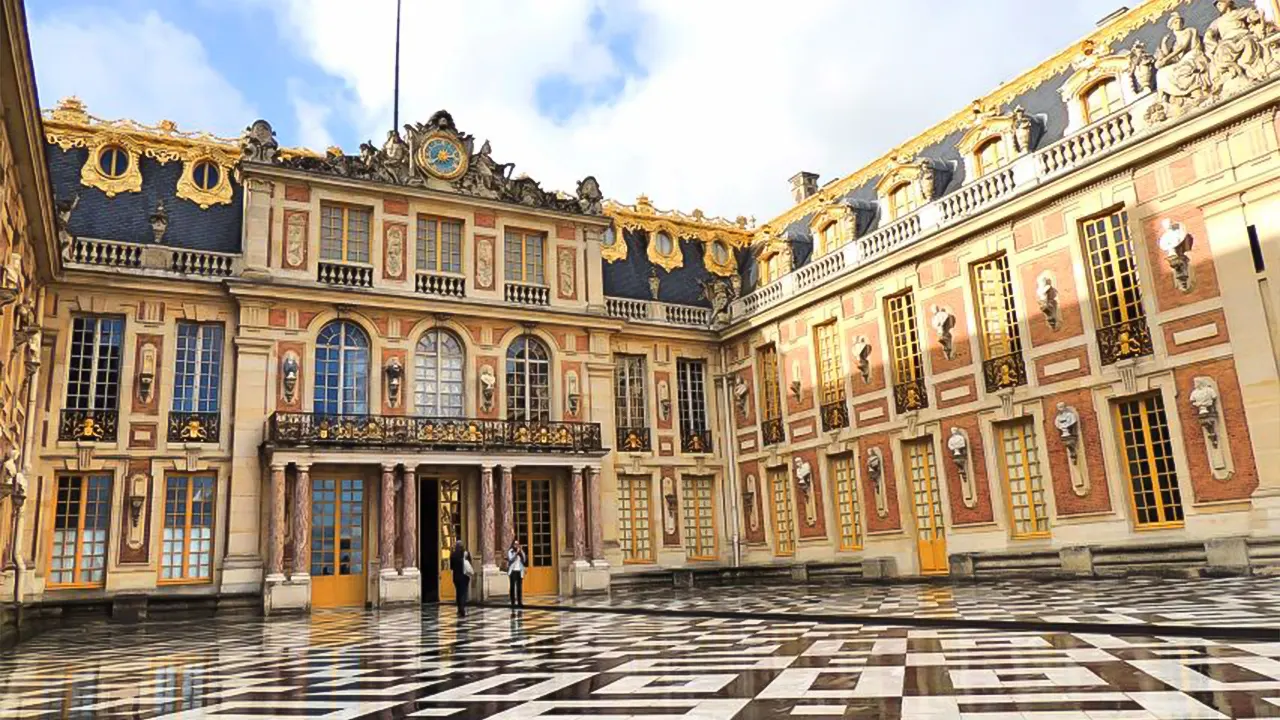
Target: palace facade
x,y
1040,337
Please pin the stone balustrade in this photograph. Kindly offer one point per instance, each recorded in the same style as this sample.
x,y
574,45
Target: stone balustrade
x,y
429,283
203,263
657,312
526,294
106,253
345,275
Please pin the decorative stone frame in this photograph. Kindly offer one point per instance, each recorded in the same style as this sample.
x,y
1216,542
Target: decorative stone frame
x,y
771,245
219,194
729,268
998,128
1090,71
668,261
920,174
618,250
838,213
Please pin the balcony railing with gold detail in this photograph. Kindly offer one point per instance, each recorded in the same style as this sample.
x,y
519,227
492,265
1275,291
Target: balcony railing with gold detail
x,y
1124,340
89,425
772,432
634,439
835,415
695,441
293,429
195,427
910,395
1004,371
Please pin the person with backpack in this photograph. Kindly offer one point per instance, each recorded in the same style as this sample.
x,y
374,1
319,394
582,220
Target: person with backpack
x,y
463,571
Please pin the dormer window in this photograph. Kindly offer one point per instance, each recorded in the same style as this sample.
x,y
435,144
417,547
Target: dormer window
x,y
830,238
663,249
1101,99
113,161
991,155
833,226
902,201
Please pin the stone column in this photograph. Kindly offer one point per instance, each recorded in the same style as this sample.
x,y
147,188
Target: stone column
x,y
409,520
597,527
242,565
302,523
387,521
579,518
486,517
508,511
275,542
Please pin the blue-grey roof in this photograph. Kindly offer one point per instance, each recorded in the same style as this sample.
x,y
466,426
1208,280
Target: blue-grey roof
x,y
629,278
126,217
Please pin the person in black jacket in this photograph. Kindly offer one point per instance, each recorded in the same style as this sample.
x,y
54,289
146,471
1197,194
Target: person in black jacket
x,y
459,563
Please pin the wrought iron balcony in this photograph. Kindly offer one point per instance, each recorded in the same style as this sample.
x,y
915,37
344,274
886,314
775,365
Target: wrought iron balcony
x,y
195,427
1004,371
772,432
634,439
89,425
292,429
910,395
1124,340
695,441
835,415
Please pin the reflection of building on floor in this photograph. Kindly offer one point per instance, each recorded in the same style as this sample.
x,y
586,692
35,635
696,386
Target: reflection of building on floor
x,y
1038,337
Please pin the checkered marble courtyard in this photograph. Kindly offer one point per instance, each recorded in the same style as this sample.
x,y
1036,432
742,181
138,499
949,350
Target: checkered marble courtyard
x,y
589,663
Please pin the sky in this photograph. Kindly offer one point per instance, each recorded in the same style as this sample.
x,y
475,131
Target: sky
x,y
707,104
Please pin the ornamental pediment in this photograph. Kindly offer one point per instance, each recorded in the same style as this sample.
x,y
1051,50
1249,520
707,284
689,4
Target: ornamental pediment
x,y
432,154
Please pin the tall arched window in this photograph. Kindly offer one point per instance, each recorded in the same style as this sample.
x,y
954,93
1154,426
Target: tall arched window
x,y
437,375
528,380
342,369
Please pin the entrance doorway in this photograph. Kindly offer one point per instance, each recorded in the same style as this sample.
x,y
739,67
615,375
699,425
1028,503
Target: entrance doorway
x,y
535,529
337,543
440,516
931,542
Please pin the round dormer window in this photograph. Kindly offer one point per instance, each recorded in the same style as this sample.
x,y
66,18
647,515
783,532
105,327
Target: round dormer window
x,y
720,251
663,243
206,175
610,237
113,161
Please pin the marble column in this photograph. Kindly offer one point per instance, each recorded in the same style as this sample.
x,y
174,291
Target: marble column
x,y
387,524
486,517
275,544
508,511
579,517
597,529
409,519
302,522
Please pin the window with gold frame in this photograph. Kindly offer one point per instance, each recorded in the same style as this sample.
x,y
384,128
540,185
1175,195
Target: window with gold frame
x,y
186,552
832,238
904,344
847,502
439,244
525,257
772,267
344,233
1149,463
699,517
830,367
991,155
783,512
81,526
1023,479
1117,289
903,200
770,394
1101,99
635,533
998,323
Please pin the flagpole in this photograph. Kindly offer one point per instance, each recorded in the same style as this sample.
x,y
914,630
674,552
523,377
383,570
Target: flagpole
x,y
395,118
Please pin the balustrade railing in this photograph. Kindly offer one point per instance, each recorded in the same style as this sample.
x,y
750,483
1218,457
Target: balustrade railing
x,y
1090,142
977,195
344,275
204,264
772,432
634,439
695,441
429,283
1004,371
293,429
195,427
106,253
627,308
686,315
526,294
910,395
89,425
1124,340
835,415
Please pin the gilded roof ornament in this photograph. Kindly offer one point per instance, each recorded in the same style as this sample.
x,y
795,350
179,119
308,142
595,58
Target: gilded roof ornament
x,y
643,216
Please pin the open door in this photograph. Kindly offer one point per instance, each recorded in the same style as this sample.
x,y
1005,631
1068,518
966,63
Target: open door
x,y
449,522
428,538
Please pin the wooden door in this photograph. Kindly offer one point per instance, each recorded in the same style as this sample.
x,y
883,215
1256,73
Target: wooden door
x,y
450,529
337,543
931,539
535,529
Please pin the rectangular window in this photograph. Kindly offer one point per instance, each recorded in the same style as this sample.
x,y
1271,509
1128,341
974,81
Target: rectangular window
x,y
81,517
998,324
847,503
93,375
1148,462
634,530
770,393
439,244
628,381
699,518
1020,460
187,553
691,395
771,268
197,375
524,257
783,513
344,233
904,343
830,370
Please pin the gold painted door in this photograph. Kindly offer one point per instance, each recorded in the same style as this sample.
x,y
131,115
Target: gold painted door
x,y
450,530
931,541
337,543
534,529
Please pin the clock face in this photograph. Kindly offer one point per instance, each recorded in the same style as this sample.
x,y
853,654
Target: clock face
x,y
443,157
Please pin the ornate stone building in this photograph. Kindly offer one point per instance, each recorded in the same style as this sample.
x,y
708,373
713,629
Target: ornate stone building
x,y
1041,336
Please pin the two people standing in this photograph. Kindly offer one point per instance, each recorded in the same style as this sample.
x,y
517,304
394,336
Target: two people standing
x,y
463,570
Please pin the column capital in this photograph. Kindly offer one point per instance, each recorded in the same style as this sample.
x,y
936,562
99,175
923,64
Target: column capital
x,y
277,467
302,467
506,470
389,467
577,469
410,469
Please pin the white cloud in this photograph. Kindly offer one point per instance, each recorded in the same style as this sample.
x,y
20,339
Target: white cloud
x,y
144,68
312,118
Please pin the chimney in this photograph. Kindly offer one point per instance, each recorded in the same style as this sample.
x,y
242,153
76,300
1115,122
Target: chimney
x,y
803,185
1113,16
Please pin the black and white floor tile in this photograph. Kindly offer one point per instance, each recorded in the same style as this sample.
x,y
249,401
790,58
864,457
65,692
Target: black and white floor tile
x,y
1234,602
544,664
